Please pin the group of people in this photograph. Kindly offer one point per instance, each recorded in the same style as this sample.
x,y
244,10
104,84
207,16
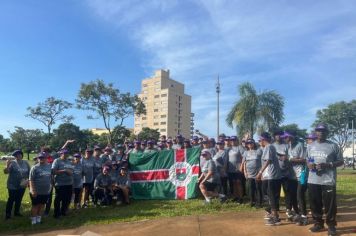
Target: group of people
x,y
228,166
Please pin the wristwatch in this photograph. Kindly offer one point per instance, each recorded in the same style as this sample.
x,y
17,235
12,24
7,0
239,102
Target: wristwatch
x,y
331,164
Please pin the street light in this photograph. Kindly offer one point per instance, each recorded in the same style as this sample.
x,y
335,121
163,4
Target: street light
x,y
217,93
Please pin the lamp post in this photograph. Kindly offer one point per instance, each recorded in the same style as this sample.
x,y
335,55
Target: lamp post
x,y
217,118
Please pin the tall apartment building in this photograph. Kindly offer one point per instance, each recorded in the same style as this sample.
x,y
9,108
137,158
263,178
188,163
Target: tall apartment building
x,y
168,108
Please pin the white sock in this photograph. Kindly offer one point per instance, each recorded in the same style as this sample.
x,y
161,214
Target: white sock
x,y
38,219
33,220
304,216
221,195
207,199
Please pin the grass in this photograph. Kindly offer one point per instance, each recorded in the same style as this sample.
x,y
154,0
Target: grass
x,y
138,210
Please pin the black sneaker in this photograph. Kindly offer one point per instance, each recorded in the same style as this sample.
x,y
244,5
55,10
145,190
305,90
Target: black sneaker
x,y
273,221
316,228
332,231
302,221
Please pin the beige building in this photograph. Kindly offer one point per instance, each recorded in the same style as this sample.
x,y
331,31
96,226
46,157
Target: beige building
x,y
168,108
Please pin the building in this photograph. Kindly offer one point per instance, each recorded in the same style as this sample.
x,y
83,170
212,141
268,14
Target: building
x,y
100,131
168,108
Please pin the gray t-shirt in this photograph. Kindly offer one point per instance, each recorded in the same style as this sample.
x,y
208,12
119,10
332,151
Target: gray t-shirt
x,y
282,150
103,181
220,159
114,173
105,159
41,178
253,162
210,166
62,178
97,166
323,153
296,150
78,175
88,169
234,159
273,171
18,170
123,180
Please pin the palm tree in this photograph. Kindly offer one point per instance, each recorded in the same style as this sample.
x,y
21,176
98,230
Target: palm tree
x,y
255,111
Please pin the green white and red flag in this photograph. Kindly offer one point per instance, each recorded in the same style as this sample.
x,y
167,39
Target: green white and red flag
x,y
167,174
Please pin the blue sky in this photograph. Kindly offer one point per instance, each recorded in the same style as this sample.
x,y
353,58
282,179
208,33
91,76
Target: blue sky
x,y
304,50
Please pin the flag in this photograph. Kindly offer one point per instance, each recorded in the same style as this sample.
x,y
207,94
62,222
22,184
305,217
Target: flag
x,y
166,174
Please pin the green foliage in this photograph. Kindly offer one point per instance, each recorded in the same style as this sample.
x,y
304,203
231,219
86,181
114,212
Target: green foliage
x,y
50,111
147,133
255,111
5,144
68,131
338,116
108,104
27,139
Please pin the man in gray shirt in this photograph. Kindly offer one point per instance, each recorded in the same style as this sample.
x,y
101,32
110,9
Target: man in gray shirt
x,y
323,157
88,175
234,173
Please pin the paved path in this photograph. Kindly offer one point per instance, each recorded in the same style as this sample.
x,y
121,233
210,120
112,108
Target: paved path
x,y
245,223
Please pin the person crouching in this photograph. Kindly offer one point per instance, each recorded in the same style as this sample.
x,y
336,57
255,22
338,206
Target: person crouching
x,y
209,179
103,188
122,186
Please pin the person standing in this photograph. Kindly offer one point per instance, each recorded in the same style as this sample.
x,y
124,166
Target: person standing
x,y
323,157
235,176
17,182
40,181
77,180
220,159
63,181
88,175
271,172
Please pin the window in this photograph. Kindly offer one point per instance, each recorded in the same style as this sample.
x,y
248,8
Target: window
x,y
144,125
163,123
155,117
163,95
145,91
157,82
144,85
156,123
156,96
163,130
155,110
163,116
164,109
157,89
156,103
164,103
144,118
138,125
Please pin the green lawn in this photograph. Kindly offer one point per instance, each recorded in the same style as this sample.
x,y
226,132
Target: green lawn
x,y
138,210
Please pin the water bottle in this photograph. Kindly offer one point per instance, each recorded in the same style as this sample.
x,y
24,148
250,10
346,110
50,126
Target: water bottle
x,y
311,160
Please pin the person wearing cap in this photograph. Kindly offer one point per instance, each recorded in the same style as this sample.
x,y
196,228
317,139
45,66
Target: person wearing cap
x,y
121,157
288,183
169,144
107,156
235,176
121,186
78,173
209,179
195,141
251,166
40,186
323,158
137,147
150,147
97,163
114,171
186,144
88,175
310,138
270,172
212,146
103,188
178,142
163,138
18,171
297,155
62,170
220,159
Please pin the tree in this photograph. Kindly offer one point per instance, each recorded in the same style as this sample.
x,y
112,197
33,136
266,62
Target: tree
x,y
147,133
49,112
108,104
68,131
120,133
338,116
302,133
27,139
255,111
5,144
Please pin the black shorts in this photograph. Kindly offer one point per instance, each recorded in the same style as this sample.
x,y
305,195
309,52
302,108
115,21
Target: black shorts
x,y
235,176
210,186
87,185
39,199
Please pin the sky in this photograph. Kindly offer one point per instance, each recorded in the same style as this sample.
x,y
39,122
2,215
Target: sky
x,y
303,50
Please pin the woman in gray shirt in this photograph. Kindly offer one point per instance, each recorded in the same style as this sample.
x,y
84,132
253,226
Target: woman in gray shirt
x,y
18,171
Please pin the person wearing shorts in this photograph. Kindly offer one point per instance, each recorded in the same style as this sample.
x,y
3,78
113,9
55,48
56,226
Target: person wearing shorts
x,y
88,175
40,186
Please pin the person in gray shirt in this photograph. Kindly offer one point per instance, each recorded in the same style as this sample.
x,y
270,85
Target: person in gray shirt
x,y
103,187
209,179
296,154
220,159
122,186
271,172
62,170
18,171
323,157
251,165
234,162
88,175
77,180
40,181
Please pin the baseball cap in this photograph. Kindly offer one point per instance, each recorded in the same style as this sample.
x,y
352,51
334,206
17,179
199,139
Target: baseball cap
x,y
321,126
250,140
41,155
265,136
227,138
311,136
77,155
16,152
63,151
233,138
195,138
106,168
120,146
220,142
205,152
89,150
288,135
278,132
169,141
108,149
96,147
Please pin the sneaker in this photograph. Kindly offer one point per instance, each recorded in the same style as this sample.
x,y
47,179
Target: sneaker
x,y
85,205
223,199
316,228
296,218
267,216
332,231
290,215
273,221
205,202
303,220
